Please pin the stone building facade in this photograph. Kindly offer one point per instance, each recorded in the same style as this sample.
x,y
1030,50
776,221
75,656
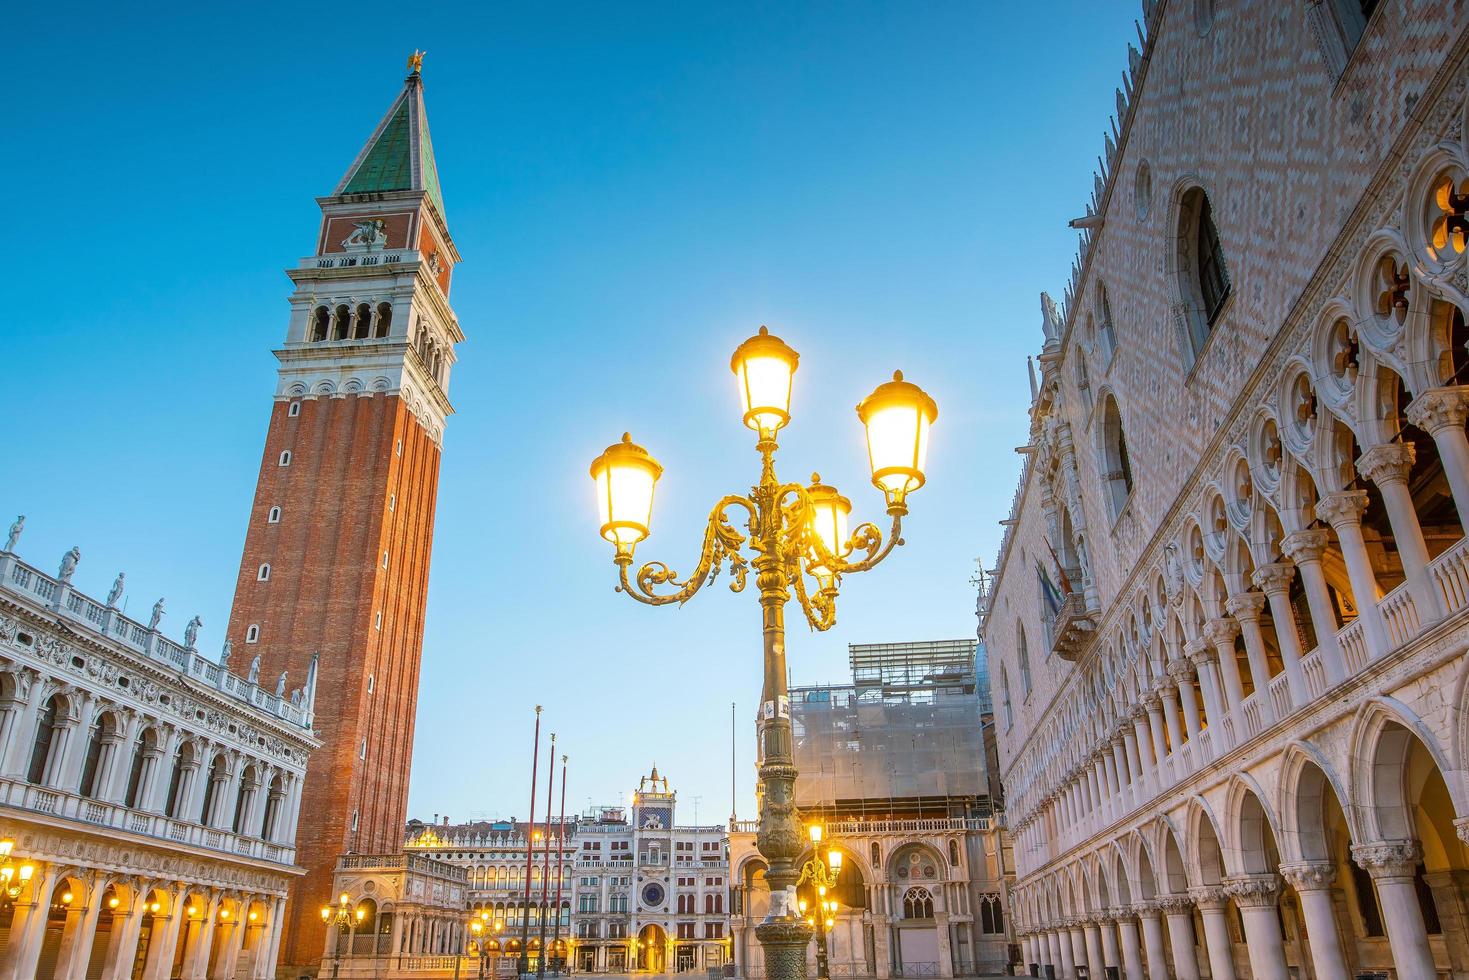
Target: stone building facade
x,y
337,547
649,895
494,855
1230,611
150,794
892,765
406,918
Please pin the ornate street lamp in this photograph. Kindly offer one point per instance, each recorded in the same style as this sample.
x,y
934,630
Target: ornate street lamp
x,y
13,877
823,877
487,936
794,531
343,915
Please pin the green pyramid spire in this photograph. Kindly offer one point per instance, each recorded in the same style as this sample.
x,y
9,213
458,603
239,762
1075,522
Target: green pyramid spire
x,y
400,155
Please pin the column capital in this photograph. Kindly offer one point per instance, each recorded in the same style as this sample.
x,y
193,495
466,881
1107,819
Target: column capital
x,y
1147,909
1343,508
1309,875
1174,904
1180,671
1388,462
1152,702
1275,577
1221,631
1461,826
1252,891
1306,546
1211,898
1137,712
1246,606
1389,858
1440,408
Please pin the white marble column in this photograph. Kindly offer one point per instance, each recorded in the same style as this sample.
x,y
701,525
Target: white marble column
x,y
1150,917
28,926
1312,882
1343,511
1305,549
1108,927
1168,693
1213,906
1178,909
1246,608
1441,412
1132,951
1092,931
1274,580
1220,634
1255,896
1393,866
1388,466
1182,672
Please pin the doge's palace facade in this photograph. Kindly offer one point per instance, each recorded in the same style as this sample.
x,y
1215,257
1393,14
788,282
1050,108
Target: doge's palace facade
x,y
1230,611
148,794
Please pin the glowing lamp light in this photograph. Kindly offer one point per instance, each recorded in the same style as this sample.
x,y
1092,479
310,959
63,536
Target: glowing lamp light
x,y
625,476
828,525
66,898
326,913
155,908
897,415
834,860
224,913
192,911
6,846
26,872
254,916
815,831
345,899
764,366
112,902
361,913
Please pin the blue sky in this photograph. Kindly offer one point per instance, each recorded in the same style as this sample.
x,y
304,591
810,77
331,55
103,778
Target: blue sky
x,y
634,189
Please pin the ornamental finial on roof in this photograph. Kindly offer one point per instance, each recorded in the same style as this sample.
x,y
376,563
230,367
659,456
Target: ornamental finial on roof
x,y
415,61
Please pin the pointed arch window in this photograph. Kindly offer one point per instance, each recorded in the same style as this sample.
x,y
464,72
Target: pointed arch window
x,y
1106,332
1005,698
917,904
1203,273
1116,463
1022,660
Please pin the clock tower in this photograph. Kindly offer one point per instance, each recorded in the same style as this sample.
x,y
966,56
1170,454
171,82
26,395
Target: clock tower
x,y
336,555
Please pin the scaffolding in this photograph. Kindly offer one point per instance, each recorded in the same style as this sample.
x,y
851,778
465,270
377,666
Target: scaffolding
x,y
903,737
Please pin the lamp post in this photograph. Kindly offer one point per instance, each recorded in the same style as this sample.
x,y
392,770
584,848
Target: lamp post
x,y
794,532
343,915
487,935
13,877
823,877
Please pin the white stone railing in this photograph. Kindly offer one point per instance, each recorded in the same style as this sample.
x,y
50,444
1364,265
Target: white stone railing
x,y
1314,672
1280,698
25,580
1450,571
116,816
1400,616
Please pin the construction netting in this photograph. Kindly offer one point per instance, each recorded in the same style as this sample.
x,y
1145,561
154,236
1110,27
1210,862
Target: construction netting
x,y
907,727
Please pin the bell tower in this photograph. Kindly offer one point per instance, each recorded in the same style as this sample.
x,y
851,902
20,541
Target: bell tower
x,y
336,552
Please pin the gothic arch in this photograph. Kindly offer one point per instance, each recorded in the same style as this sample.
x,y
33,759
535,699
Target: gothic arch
x,y
1376,779
1306,775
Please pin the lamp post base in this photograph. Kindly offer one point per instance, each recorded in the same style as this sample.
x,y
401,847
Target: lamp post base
x,y
785,942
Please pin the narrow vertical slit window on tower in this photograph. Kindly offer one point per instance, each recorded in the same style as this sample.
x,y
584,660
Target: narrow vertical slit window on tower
x,y
371,682
377,622
252,634
362,750
392,502
274,517
385,559
263,574
294,410
285,458
354,821
400,447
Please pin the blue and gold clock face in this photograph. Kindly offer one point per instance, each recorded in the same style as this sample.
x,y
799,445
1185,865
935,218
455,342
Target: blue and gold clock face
x,y
653,894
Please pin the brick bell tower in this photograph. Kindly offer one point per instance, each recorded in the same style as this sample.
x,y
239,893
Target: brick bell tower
x,y
336,554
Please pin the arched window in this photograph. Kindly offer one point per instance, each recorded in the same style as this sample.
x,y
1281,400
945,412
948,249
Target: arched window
x,y
173,802
954,853
320,323
875,853
1203,276
1351,19
45,734
991,915
252,633
294,410
364,322
271,817
1005,698
343,322
274,517
1116,465
1022,660
917,904
285,458
218,773
1083,381
146,741
263,573
104,726
384,319
1106,333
